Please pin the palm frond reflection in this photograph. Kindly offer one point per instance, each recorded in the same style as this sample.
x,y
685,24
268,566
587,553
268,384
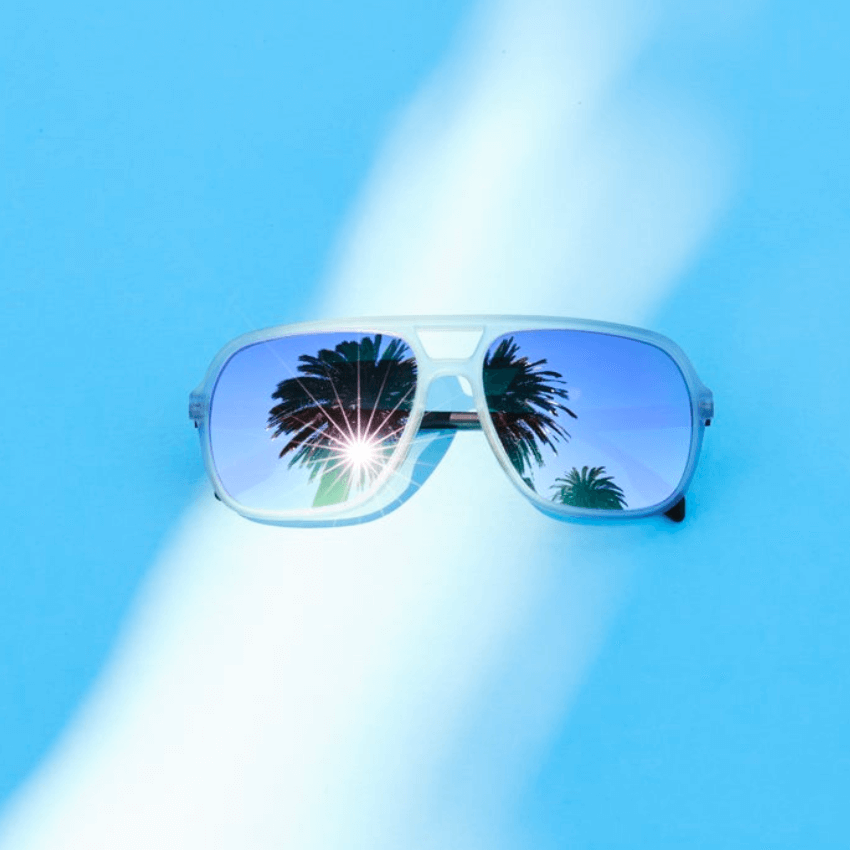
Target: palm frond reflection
x,y
345,413
589,488
525,402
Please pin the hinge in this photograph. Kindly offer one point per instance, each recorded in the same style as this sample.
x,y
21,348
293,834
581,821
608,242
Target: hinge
x,y
706,406
197,407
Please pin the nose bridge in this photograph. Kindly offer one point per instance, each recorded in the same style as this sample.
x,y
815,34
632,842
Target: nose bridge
x,y
452,351
450,346
450,399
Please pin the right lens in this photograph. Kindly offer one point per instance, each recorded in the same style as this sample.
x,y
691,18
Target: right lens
x,y
311,420
589,419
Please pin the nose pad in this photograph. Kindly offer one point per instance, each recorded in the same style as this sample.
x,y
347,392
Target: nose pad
x,y
451,393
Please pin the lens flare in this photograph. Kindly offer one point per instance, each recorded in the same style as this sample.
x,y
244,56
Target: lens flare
x,y
361,451
354,461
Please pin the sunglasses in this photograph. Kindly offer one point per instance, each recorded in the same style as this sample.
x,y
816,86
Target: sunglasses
x,y
335,423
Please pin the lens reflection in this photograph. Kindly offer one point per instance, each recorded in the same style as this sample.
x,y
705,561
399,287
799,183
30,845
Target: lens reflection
x,y
312,420
590,420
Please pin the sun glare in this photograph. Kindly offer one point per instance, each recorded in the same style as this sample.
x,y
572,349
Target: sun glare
x,y
361,452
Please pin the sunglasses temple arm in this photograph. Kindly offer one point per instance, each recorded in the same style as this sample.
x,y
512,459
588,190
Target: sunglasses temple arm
x,y
444,420
676,512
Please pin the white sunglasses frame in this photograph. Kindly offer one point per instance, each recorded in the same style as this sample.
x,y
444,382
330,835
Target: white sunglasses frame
x,y
387,489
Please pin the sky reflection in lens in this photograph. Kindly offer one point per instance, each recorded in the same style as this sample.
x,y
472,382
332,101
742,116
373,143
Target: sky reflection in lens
x,y
621,431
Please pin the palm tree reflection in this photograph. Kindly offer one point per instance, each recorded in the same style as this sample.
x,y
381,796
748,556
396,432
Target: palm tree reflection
x,y
524,401
345,412
590,488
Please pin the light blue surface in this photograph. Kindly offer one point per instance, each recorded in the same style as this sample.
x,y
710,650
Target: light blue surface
x,y
172,175
717,714
171,178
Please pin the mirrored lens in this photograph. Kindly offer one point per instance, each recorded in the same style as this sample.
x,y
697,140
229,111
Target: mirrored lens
x,y
589,419
310,421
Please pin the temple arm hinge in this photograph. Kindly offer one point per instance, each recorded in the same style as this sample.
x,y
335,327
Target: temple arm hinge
x,y
197,408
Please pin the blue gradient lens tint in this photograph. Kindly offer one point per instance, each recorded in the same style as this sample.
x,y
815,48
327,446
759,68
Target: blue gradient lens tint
x,y
311,420
589,419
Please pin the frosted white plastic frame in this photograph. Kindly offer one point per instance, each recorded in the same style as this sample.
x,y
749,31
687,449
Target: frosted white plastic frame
x,y
371,503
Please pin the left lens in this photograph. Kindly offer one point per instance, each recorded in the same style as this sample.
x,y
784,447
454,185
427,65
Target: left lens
x,y
311,420
590,420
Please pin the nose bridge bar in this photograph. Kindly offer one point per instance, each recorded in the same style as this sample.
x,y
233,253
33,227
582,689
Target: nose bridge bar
x,y
450,344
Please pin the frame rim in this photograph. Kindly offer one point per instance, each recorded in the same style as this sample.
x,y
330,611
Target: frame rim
x,y
406,328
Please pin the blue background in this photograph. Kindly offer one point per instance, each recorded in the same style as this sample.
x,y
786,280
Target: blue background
x,y
172,177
